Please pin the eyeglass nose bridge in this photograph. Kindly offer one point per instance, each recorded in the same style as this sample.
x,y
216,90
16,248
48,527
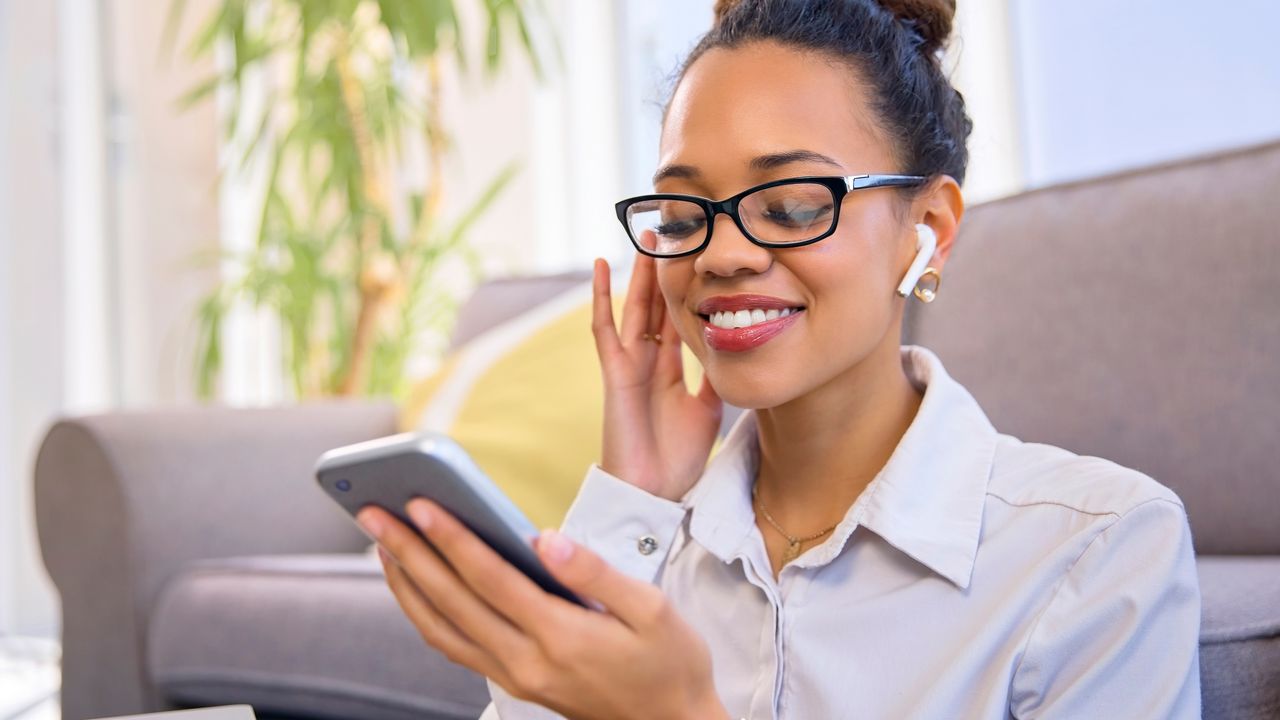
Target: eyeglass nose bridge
x,y
728,206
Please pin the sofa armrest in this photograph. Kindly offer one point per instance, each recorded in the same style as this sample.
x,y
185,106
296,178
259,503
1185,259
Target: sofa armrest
x,y
124,500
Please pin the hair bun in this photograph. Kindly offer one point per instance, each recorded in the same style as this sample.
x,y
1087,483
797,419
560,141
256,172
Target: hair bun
x,y
722,8
932,19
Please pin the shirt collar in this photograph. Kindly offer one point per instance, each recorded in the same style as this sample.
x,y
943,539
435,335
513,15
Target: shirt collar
x,y
927,500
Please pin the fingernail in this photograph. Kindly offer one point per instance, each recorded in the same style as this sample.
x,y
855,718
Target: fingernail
x,y
371,523
555,547
419,513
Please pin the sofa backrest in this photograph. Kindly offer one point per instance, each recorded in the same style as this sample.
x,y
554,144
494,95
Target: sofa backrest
x,y
495,301
1134,317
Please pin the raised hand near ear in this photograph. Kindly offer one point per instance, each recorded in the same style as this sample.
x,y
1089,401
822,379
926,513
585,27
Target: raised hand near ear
x,y
657,436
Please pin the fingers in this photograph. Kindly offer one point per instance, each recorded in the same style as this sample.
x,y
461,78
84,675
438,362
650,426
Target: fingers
x,y
657,315
670,366
633,602
602,325
485,572
434,628
442,586
637,308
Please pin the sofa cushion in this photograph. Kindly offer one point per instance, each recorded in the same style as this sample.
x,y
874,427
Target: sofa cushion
x,y
524,399
318,636
1240,636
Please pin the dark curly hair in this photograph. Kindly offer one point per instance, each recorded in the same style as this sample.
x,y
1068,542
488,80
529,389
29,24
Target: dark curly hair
x,y
895,45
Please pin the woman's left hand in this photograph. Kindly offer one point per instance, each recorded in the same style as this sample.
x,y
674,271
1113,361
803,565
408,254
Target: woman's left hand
x,y
638,658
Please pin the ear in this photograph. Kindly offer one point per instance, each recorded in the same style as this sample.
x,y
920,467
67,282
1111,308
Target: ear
x,y
940,207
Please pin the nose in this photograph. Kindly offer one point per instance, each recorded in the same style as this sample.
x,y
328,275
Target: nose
x,y
730,252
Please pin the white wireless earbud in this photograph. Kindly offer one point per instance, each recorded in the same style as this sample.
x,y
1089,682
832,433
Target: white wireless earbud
x,y
926,243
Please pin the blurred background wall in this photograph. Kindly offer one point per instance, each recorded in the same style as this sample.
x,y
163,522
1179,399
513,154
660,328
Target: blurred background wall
x,y
31,296
1104,86
109,193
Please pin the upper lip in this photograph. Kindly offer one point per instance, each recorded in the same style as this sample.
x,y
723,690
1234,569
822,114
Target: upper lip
x,y
746,301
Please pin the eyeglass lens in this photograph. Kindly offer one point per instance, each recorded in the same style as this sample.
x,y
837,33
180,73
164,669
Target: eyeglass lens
x,y
782,215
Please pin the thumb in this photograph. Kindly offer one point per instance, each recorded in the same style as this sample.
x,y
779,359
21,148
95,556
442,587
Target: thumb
x,y
587,574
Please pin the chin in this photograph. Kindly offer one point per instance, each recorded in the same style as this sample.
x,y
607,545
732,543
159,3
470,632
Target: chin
x,y
751,393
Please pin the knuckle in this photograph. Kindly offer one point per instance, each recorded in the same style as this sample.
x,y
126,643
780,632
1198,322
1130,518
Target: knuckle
x,y
391,539
514,689
560,649
430,635
531,679
394,580
463,659
429,629
452,654
443,528
446,537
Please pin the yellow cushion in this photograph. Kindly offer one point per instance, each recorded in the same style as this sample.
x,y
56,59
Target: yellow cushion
x,y
526,401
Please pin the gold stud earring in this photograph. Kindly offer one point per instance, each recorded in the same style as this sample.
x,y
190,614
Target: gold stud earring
x,y
927,295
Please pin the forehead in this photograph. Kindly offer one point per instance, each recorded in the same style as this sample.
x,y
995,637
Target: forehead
x,y
736,104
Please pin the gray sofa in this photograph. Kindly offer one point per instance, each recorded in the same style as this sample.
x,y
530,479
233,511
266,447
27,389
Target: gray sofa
x,y
1133,317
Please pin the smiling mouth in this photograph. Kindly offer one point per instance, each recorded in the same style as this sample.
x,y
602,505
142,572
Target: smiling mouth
x,y
737,331
745,318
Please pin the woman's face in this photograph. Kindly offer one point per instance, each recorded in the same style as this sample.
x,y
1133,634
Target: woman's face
x,y
732,114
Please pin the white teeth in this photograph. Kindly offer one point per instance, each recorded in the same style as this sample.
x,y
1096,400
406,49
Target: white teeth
x,y
730,320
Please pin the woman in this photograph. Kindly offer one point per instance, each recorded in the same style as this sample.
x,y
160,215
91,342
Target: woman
x,y
864,544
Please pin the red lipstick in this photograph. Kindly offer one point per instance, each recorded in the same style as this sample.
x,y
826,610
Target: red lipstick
x,y
745,338
745,301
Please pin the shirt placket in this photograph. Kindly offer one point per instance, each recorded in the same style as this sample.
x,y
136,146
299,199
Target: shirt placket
x,y
767,690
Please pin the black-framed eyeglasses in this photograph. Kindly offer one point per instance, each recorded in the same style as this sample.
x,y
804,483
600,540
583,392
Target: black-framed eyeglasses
x,y
783,213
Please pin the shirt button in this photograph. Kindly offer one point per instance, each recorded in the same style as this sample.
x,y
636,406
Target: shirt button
x,y
647,544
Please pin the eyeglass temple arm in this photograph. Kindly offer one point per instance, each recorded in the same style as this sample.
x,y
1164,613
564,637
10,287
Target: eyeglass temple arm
x,y
860,182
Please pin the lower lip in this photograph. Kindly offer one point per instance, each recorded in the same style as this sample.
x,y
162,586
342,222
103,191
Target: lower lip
x,y
746,338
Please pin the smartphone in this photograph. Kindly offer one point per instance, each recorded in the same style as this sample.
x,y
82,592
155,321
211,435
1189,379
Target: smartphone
x,y
391,471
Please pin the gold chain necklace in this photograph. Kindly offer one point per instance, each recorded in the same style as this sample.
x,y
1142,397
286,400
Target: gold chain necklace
x,y
793,543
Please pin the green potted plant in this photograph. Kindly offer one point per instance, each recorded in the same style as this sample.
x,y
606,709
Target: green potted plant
x,y
348,255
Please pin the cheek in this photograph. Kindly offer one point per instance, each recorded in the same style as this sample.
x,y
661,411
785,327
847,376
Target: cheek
x,y
673,278
852,269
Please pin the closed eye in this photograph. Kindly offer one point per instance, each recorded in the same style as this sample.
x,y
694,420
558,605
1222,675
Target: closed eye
x,y
799,217
680,228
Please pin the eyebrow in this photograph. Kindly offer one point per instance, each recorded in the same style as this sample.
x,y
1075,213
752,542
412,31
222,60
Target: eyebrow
x,y
762,162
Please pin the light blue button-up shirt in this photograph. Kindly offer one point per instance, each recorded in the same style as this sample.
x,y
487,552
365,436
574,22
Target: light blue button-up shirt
x,y
977,576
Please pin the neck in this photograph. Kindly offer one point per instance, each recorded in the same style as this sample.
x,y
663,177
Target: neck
x,y
819,451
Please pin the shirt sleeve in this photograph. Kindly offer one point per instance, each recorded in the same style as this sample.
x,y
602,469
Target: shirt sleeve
x,y
1120,638
629,527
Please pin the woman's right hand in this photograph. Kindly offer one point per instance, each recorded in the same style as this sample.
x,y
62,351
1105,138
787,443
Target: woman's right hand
x,y
657,436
